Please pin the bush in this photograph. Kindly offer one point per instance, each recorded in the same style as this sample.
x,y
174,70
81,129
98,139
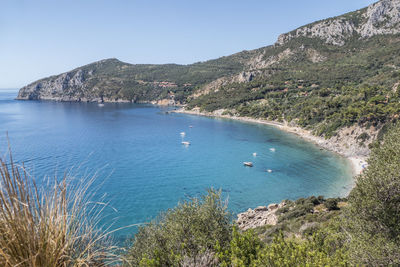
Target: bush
x,y
373,216
243,249
331,204
183,234
312,251
363,137
324,248
48,226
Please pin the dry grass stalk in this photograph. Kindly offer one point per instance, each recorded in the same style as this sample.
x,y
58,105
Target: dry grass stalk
x,y
56,225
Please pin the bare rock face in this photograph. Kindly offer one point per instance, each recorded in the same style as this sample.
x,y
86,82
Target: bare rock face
x,y
382,17
260,216
333,31
65,87
82,84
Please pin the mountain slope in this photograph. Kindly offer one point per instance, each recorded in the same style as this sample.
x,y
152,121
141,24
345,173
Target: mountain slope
x,y
112,80
324,76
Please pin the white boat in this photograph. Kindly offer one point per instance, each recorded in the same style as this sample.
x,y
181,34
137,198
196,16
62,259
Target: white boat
x,y
269,170
190,126
100,105
248,164
272,149
183,133
186,143
254,154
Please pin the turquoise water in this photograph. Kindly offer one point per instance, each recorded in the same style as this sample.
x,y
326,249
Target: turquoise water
x,y
144,168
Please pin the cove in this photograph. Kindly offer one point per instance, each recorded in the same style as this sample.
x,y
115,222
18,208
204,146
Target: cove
x,y
136,152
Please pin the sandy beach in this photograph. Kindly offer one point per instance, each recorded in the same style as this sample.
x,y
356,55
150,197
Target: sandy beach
x,y
358,162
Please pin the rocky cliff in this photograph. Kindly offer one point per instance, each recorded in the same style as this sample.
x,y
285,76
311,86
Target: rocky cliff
x,y
81,84
382,17
65,87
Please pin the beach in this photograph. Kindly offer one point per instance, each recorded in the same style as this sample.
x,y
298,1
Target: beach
x,y
358,160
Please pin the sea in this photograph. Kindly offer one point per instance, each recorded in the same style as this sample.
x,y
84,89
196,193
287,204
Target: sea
x,y
141,167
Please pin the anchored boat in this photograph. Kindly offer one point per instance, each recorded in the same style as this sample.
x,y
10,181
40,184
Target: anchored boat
x,y
248,164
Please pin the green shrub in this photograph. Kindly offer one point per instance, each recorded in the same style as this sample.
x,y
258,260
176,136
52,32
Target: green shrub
x,y
185,233
363,137
373,215
331,204
242,251
293,252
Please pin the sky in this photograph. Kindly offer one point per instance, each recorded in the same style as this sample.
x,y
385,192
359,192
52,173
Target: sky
x,y
45,37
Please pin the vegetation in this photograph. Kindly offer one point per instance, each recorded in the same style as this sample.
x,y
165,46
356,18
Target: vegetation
x,y
48,226
373,217
57,227
352,84
115,80
185,234
246,249
199,233
305,81
310,232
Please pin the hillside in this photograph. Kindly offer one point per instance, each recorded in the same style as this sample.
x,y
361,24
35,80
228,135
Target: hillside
x,y
111,80
324,76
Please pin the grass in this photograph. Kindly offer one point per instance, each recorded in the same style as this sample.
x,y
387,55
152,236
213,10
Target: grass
x,y
52,225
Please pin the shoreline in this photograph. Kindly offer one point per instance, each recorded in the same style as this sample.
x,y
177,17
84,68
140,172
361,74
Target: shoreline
x,y
357,162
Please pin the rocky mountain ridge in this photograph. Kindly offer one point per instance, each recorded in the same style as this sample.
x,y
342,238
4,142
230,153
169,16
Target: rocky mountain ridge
x,y
382,17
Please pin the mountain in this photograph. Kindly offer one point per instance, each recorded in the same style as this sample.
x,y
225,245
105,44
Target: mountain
x,y
111,80
325,76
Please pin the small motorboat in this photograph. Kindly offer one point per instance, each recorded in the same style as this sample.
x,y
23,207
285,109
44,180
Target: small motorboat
x,y
269,170
100,105
183,133
272,149
254,154
186,143
248,164
190,126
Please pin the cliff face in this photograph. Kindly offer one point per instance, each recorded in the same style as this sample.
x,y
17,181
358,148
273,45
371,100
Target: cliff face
x,y
382,17
81,84
65,87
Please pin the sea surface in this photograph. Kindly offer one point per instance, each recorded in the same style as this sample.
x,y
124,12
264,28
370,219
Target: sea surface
x,y
135,151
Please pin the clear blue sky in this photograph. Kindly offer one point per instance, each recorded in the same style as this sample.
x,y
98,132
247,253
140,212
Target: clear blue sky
x,y
44,37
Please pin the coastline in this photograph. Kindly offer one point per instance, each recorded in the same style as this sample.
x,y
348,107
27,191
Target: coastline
x,y
357,161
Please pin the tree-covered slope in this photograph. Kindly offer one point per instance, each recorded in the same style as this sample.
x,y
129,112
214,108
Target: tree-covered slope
x,y
323,76
113,80
354,83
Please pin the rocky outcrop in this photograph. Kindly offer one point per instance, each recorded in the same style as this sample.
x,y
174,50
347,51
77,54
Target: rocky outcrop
x,y
351,141
382,17
334,31
260,216
68,86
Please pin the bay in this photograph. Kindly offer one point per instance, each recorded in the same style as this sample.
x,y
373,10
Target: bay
x,y
135,151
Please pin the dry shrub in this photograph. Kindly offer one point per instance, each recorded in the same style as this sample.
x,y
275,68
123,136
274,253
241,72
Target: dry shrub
x,y
51,225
